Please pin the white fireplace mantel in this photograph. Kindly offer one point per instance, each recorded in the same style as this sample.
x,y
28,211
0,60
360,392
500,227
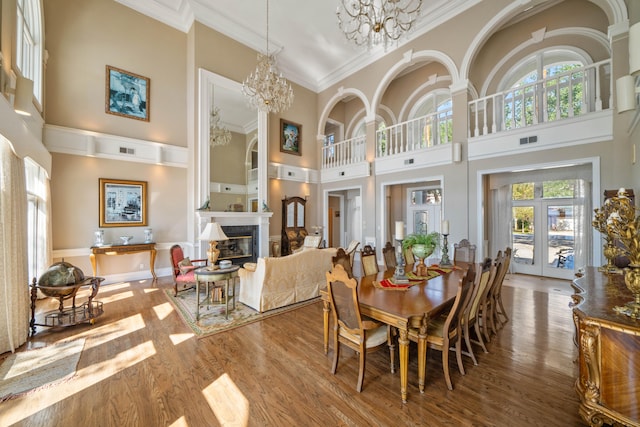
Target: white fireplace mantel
x,y
261,219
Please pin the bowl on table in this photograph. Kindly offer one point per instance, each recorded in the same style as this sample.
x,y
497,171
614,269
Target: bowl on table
x,y
225,264
126,239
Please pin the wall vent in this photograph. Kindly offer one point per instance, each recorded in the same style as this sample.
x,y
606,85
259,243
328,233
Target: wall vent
x,y
408,162
528,140
125,150
342,173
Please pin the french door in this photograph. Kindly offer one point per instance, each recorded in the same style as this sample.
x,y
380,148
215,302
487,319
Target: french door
x,y
542,238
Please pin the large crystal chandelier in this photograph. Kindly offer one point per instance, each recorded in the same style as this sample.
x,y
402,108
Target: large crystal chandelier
x,y
375,22
218,135
265,88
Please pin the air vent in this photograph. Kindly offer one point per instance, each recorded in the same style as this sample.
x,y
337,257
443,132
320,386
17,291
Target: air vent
x,y
342,173
125,150
408,162
528,140
290,174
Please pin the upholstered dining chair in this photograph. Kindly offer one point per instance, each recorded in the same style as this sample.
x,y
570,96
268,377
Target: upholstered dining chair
x,y
464,251
350,328
443,333
183,269
484,274
389,255
343,259
368,260
498,313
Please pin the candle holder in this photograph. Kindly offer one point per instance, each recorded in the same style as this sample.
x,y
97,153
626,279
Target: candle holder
x,y
445,262
399,274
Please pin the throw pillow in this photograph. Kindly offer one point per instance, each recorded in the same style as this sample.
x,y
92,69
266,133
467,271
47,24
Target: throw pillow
x,y
185,262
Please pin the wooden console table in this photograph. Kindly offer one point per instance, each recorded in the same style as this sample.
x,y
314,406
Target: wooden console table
x,y
609,344
116,249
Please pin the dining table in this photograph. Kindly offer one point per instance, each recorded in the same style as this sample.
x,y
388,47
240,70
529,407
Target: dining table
x,y
404,309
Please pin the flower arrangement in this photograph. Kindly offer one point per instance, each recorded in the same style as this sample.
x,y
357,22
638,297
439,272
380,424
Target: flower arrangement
x,y
430,240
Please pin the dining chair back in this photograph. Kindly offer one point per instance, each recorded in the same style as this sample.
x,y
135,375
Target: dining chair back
x,y
444,333
351,250
499,312
389,255
350,328
464,251
369,261
484,273
343,259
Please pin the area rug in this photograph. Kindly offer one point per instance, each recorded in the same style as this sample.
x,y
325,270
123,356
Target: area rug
x,y
212,317
27,371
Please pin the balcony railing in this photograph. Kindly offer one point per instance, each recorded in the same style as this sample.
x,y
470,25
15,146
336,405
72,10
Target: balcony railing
x,y
422,132
558,97
344,153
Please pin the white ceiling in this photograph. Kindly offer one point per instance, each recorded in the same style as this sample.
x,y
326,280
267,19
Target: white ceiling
x,y
311,49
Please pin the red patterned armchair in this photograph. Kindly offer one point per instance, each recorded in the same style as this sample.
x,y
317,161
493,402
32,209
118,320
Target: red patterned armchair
x,y
183,269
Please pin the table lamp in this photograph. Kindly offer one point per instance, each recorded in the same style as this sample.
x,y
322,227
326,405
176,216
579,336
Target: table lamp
x,y
213,233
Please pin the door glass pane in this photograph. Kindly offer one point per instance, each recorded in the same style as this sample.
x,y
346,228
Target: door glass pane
x,y
523,234
560,236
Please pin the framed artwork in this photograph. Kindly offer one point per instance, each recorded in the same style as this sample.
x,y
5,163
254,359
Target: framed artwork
x,y
123,203
127,94
290,137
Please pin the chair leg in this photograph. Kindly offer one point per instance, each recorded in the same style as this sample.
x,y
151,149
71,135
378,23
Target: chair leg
x,y
467,341
476,328
336,352
363,361
503,312
175,289
458,350
445,366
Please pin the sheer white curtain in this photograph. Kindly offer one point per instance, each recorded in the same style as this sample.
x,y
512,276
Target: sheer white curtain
x,y
582,226
14,290
500,220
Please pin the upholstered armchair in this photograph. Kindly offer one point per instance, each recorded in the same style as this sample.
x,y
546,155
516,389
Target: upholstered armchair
x,y
183,269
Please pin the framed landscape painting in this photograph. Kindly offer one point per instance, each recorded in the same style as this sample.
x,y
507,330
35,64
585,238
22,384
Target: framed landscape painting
x,y
290,137
123,203
127,94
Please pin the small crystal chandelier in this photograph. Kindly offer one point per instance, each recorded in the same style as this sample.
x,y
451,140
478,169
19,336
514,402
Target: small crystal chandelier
x,y
265,88
374,22
218,135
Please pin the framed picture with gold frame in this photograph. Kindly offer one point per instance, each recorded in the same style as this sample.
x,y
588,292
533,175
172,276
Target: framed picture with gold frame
x,y
290,137
127,94
123,203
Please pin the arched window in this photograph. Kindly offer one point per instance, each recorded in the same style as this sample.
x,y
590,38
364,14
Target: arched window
x,y
29,43
545,87
433,117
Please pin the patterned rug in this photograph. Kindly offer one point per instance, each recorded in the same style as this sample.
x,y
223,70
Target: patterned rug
x,y
212,317
30,370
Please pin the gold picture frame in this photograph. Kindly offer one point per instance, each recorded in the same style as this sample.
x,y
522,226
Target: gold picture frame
x,y
290,137
123,203
127,94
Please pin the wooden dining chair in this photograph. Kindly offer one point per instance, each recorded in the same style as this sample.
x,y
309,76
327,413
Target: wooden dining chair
x,y
389,255
464,251
443,333
369,261
351,250
499,313
350,328
484,273
342,258
183,269
486,315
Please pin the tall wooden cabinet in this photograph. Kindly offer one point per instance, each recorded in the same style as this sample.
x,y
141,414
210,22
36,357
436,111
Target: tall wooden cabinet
x,y
608,383
293,224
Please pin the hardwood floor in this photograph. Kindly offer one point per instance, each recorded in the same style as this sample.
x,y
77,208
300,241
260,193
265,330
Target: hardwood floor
x,y
141,366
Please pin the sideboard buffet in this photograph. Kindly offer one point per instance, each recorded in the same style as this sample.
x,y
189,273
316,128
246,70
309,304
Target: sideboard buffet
x,y
608,383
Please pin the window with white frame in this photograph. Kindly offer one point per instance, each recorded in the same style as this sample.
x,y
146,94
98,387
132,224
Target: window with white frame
x,y
432,119
29,43
37,218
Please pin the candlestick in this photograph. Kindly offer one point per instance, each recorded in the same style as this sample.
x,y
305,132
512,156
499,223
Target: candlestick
x,y
445,262
399,230
399,275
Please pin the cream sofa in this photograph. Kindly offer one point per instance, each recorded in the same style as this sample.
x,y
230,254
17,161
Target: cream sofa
x,y
277,282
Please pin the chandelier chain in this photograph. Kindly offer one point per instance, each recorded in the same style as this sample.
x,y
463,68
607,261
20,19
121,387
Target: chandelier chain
x,y
266,89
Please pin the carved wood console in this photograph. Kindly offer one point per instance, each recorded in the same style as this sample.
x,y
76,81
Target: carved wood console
x,y
608,383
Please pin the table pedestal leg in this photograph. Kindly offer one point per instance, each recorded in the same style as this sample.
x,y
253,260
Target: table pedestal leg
x,y
152,263
422,355
94,267
404,362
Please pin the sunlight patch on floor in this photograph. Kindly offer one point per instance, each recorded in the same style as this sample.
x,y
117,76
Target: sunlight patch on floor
x,y
180,338
228,403
85,378
180,422
115,297
104,333
163,310
149,290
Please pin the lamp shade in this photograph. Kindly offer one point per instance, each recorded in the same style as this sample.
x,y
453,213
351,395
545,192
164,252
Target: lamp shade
x,y
23,96
625,93
213,232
